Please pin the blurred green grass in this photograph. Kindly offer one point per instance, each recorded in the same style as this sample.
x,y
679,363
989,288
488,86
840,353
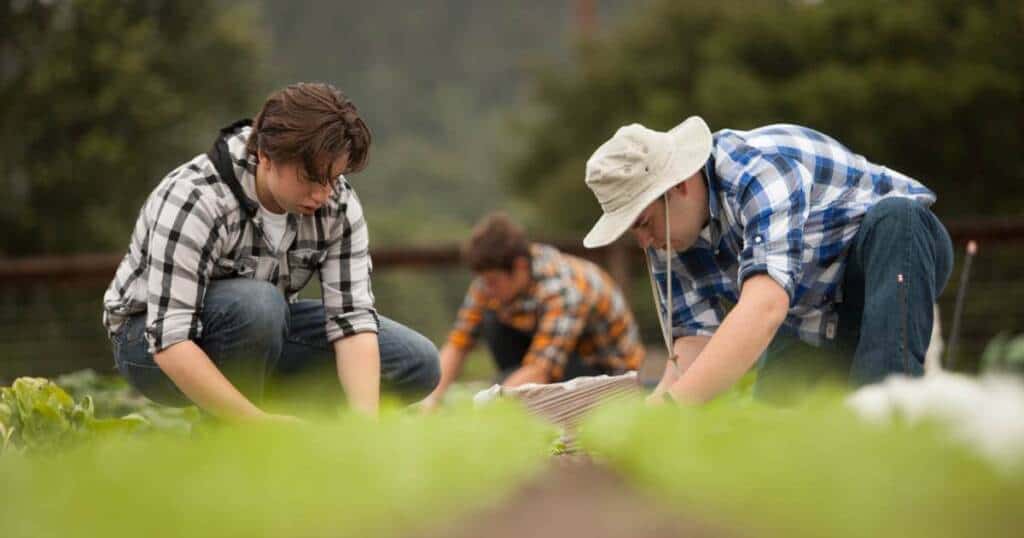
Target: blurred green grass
x,y
348,477
810,470
814,470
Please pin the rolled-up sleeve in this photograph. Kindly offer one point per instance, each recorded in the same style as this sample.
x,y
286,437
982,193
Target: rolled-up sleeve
x,y
182,248
467,323
773,209
345,272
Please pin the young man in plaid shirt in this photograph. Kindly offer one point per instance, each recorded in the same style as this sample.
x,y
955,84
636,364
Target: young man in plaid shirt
x,y
809,241
203,309
546,316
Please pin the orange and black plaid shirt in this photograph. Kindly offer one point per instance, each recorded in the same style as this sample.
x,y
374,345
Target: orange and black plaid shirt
x,y
572,306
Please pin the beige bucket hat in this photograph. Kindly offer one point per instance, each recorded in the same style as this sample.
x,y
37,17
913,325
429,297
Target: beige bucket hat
x,y
636,166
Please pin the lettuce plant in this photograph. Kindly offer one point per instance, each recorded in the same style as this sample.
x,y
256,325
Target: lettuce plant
x,y
36,414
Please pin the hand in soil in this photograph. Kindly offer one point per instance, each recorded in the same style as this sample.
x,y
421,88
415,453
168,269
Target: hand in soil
x,y
427,405
282,419
656,399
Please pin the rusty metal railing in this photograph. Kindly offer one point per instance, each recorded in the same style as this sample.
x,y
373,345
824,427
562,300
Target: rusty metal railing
x,y
87,269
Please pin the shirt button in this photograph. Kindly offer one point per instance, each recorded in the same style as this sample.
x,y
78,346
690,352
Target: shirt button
x,y
758,239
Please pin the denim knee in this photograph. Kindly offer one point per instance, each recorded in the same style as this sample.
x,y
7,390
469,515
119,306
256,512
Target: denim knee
x,y
924,227
889,212
424,355
257,310
266,306
893,204
409,361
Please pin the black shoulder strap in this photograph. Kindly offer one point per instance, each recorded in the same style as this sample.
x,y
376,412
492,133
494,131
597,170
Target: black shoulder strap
x,y
221,159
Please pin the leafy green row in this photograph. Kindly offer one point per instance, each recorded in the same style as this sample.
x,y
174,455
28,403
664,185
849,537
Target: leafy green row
x,y
38,415
816,470
348,477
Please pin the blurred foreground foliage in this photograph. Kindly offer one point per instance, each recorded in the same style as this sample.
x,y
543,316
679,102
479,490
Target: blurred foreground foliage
x,y
346,477
812,470
38,415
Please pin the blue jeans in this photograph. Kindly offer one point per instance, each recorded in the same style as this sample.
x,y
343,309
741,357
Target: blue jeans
x,y
256,338
885,324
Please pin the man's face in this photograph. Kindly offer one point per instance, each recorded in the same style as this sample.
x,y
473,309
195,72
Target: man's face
x,y
688,214
291,189
505,286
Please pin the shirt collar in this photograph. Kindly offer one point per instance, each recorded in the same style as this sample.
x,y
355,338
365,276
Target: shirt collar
x,y
712,232
244,166
714,207
247,177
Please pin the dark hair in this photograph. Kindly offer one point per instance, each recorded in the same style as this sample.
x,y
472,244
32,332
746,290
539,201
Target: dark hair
x,y
312,124
495,243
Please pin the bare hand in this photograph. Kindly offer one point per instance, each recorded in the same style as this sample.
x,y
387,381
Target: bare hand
x,y
282,419
428,405
657,399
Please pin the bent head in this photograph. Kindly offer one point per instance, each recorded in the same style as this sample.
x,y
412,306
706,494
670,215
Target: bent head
x,y
630,172
289,188
499,254
688,213
305,137
504,286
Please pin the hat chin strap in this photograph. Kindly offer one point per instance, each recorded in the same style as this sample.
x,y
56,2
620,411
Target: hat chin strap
x,y
664,321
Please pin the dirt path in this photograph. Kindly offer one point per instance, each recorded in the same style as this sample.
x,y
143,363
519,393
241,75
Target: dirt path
x,y
576,498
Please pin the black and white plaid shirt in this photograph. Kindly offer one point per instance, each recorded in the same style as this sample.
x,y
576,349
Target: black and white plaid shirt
x,y
193,230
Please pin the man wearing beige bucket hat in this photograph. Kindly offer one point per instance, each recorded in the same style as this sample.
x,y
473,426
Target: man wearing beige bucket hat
x,y
811,244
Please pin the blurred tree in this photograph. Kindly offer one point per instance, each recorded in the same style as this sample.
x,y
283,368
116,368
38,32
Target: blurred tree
x,y
435,81
933,88
101,98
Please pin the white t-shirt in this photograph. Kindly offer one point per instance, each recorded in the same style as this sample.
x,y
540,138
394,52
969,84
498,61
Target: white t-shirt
x,y
274,225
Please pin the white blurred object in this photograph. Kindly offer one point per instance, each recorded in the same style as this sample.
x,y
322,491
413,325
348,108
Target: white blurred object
x,y
933,356
565,403
487,395
986,413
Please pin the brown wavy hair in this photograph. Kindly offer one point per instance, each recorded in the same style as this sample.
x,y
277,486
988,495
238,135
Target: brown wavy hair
x,y
495,243
312,124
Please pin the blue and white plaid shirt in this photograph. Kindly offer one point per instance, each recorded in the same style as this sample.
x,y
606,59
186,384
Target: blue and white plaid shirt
x,y
786,201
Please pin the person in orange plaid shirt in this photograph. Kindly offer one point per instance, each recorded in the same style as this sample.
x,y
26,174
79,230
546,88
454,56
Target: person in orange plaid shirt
x,y
546,316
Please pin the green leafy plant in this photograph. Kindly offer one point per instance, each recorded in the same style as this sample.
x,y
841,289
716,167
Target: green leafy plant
x,y
112,397
400,475
5,434
37,414
1004,354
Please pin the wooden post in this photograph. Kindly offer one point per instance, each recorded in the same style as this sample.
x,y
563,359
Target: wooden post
x,y
586,17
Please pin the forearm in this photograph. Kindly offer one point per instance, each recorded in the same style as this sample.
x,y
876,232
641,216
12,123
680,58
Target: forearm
x,y
529,373
198,377
668,377
686,350
452,359
739,341
358,361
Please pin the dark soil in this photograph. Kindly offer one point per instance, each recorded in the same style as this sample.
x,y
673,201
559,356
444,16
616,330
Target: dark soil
x,y
576,497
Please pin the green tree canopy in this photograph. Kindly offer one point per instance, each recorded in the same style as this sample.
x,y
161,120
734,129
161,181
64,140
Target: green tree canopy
x,y
101,99
933,88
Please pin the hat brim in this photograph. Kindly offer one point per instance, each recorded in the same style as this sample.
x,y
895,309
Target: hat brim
x,y
692,148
